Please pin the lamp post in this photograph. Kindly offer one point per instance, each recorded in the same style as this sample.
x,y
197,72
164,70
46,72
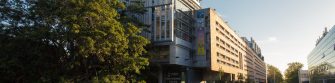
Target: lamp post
x,y
274,77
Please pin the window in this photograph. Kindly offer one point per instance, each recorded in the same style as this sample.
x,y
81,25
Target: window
x,y
158,23
323,55
153,14
167,28
163,28
167,22
158,29
163,8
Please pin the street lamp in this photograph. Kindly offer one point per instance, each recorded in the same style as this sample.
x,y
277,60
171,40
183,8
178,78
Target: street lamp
x,y
274,77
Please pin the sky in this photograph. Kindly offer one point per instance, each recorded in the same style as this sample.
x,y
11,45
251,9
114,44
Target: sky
x,y
286,30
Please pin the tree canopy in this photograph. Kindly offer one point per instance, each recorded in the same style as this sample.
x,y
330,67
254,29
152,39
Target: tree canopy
x,y
319,72
292,72
69,41
274,75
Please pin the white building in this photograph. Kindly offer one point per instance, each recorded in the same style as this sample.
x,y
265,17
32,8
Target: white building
x,y
303,76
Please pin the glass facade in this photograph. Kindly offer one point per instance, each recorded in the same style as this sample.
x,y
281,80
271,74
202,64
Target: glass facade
x,y
162,22
164,16
183,21
321,60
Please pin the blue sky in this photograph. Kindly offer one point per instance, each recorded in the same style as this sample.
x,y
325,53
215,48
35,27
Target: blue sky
x,y
286,30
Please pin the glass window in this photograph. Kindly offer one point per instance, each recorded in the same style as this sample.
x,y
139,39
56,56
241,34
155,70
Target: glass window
x,y
167,22
157,27
163,8
163,52
158,19
153,13
167,28
163,27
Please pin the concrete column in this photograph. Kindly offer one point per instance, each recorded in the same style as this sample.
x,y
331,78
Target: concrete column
x,y
160,74
189,75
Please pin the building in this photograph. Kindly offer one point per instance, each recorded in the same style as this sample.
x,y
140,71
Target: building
x,y
303,76
321,59
171,33
255,65
191,44
223,49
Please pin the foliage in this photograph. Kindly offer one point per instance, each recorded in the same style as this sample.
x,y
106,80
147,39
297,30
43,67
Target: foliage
x,y
221,74
274,74
134,9
291,73
69,41
319,72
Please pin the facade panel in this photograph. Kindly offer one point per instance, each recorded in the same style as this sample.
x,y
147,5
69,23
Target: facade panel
x,y
226,52
321,60
171,31
255,65
195,45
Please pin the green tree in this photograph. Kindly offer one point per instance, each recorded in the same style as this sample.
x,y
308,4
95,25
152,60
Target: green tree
x,y
274,75
221,76
291,73
69,41
319,72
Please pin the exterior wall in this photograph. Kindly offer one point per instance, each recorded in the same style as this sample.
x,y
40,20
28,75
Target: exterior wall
x,y
225,48
225,42
303,76
183,25
171,34
255,65
226,51
321,59
195,47
260,70
171,24
202,42
250,65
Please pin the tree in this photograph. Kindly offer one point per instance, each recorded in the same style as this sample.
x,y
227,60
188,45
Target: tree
x,y
221,74
274,75
319,72
292,72
69,40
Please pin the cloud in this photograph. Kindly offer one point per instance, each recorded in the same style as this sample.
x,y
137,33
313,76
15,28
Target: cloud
x,y
272,39
268,40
